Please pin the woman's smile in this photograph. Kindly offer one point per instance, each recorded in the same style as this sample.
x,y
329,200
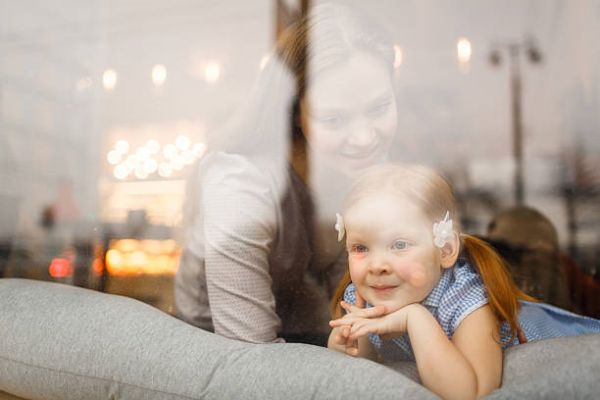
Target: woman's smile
x,y
361,152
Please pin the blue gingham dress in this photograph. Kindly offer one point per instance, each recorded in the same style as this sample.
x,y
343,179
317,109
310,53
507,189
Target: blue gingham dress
x,y
461,291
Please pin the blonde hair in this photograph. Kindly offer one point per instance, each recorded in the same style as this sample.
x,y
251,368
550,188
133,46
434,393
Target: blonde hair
x,y
434,196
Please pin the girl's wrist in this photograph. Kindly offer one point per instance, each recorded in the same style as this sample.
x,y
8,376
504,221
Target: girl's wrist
x,y
401,320
414,311
419,317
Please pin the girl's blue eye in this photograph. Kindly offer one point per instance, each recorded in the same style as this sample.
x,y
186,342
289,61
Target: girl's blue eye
x,y
400,245
359,248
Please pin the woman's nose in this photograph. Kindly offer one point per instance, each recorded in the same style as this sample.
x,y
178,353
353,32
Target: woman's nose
x,y
361,135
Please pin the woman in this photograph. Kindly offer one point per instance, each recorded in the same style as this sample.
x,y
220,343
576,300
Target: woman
x,y
256,266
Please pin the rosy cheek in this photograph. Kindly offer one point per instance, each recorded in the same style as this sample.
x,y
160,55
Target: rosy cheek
x,y
413,274
357,275
356,256
417,279
356,267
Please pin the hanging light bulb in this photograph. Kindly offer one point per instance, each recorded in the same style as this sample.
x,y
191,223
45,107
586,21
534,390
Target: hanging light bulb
x,y
463,52
159,75
397,56
109,79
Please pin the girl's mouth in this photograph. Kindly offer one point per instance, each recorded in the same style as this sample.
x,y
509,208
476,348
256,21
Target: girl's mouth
x,y
383,289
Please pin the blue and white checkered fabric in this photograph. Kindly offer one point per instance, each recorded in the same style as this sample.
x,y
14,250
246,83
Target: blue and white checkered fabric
x,y
543,321
461,291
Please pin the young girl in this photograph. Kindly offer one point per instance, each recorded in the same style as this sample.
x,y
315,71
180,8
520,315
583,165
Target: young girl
x,y
423,291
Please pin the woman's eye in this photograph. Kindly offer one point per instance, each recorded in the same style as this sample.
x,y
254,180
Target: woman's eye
x,y
359,248
334,121
379,109
400,245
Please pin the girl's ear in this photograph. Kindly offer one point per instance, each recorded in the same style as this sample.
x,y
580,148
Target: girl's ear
x,y
450,251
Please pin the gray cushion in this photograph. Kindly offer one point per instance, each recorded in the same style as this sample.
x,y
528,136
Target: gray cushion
x,y
61,342
564,368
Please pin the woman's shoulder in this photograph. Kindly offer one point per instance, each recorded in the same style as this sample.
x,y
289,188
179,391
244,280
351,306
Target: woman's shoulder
x,y
220,165
229,170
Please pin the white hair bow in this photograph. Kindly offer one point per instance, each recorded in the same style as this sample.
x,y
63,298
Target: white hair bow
x,y
339,226
443,231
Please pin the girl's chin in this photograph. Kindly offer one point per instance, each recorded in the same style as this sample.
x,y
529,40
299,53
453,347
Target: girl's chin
x,y
391,306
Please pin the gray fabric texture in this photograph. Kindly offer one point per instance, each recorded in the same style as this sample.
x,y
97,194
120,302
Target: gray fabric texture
x,y
62,342
562,368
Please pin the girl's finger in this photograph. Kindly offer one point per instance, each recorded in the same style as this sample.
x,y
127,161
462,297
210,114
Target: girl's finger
x,y
363,328
345,331
360,332
339,340
352,347
346,306
356,327
352,351
338,322
372,312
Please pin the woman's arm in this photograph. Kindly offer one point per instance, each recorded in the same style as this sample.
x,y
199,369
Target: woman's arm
x,y
240,224
469,366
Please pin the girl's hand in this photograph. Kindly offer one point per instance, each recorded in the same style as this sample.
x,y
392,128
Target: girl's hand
x,y
341,329
387,326
340,341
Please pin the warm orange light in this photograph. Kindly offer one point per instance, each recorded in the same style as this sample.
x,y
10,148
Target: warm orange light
x,y
60,268
126,245
137,257
98,267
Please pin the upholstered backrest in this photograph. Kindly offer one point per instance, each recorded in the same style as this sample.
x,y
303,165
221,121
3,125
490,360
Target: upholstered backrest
x,y
61,342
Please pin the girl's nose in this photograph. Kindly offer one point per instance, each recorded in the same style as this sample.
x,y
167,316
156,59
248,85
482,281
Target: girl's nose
x,y
379,265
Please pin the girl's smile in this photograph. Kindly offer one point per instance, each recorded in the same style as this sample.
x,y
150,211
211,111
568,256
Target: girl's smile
x,y
383,289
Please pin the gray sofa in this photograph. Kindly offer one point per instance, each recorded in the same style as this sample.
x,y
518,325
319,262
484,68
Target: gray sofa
x,y
63,342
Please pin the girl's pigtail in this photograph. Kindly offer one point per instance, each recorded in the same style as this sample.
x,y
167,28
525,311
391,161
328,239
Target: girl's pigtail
x,y
338,295
503,294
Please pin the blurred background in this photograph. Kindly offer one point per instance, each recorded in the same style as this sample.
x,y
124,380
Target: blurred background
x,y
106,105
